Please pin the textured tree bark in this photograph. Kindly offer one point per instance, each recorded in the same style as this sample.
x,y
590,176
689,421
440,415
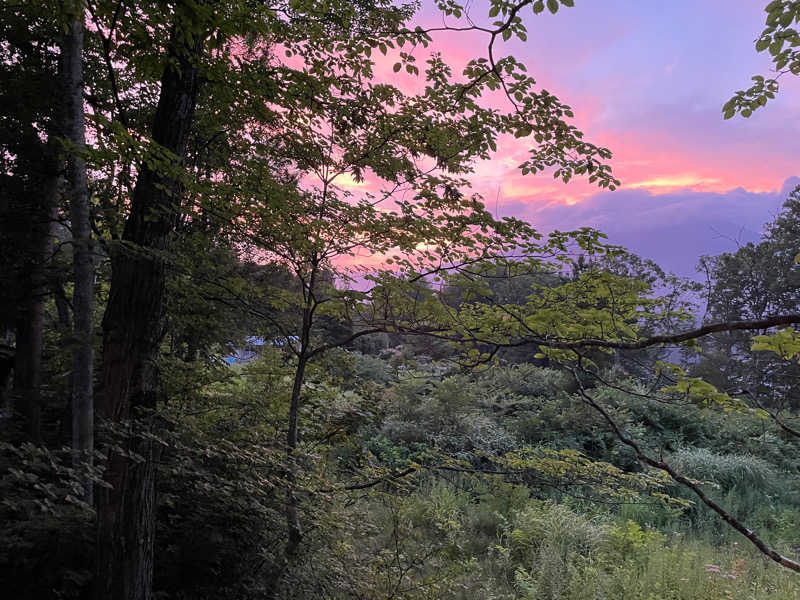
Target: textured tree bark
x,y
133,327
83,294
30,319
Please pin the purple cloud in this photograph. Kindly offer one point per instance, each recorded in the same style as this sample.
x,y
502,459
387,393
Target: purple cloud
x,y
673,229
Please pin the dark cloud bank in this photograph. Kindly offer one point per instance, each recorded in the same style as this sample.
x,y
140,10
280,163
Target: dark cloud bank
x,y
673,229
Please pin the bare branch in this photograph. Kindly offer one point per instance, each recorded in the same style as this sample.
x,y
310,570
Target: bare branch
x,y
369,484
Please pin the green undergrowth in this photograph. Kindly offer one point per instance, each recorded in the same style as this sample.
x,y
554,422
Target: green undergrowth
x,y
419,485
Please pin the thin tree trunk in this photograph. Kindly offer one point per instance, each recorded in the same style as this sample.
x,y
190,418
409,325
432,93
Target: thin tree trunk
x,y
30,320
7,353
133,327
83,294
294,529
28,367
60,298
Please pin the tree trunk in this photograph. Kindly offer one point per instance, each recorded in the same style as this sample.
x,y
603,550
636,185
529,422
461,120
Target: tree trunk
x,y
83,293
294,529
133,327
6,367
293,525
30,319
60,299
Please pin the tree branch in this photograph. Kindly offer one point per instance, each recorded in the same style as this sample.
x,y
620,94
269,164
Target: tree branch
x,y
677,477
369,484
765,323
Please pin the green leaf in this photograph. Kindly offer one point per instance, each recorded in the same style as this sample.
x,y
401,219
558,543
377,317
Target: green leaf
x,y
774,5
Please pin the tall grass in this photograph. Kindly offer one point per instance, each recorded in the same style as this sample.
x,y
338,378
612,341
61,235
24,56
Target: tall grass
x,y
544,541
726,470
568,557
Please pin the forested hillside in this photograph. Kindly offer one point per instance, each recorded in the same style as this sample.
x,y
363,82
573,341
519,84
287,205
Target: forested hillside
x,y
262,339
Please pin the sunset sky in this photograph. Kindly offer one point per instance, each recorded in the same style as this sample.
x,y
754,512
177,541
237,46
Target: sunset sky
x,y
647,79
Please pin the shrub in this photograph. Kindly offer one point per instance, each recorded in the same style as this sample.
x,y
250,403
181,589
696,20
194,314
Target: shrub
x,y
46,531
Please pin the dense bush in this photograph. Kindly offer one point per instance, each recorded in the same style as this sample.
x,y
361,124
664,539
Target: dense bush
x,y
46,530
